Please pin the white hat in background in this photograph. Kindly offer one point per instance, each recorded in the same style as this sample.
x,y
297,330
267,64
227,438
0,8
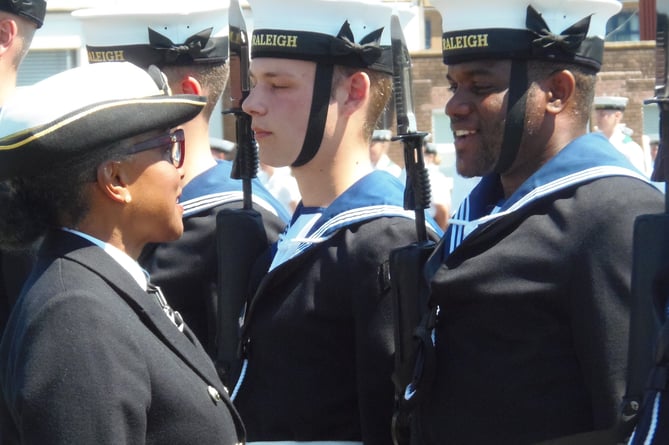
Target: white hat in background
x,y
382,135
610,103
157,33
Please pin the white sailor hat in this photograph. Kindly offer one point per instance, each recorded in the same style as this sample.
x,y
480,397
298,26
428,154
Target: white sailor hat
x,y
161,33
610,103
382,135
33,10
340,32
560,30
87,108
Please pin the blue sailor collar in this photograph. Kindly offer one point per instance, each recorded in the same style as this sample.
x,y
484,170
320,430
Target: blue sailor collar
x,y
215,187
586,158
378,194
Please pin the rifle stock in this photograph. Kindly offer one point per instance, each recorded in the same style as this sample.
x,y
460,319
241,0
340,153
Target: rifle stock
x,y
650,254
408,289
240,233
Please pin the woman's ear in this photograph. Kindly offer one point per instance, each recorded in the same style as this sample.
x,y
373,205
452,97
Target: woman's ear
x,y
561,86
111,182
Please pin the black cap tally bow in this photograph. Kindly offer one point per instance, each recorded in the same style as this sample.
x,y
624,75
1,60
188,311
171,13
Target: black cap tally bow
x,y
197,46
568,41
368,50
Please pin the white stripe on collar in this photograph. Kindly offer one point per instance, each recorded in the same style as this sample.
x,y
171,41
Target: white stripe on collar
x,y
330,227
206,202
458,234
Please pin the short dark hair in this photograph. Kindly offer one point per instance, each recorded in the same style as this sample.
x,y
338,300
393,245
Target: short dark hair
x,y
585,78
57,196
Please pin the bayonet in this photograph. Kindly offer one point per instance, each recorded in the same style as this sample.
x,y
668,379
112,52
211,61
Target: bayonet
x,y
417,191
240,233
406,263
245,165
402,80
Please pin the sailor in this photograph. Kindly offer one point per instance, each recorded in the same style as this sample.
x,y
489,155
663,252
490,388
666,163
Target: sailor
x,y
609,112
190,45
318,333
527,333
378,153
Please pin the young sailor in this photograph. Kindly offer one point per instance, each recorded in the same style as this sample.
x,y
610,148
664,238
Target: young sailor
x,y
318,334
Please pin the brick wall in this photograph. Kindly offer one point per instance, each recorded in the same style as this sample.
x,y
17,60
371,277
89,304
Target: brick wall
x,y
628,70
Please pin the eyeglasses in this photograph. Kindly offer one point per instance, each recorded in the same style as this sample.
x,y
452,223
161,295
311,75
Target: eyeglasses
x,y
174,143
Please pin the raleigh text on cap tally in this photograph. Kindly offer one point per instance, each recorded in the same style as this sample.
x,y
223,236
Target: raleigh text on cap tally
x,y
560,30
82,109
327,32
341,32
157,33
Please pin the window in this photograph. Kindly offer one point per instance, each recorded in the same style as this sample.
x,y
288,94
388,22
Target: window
x,y
623,26
40,64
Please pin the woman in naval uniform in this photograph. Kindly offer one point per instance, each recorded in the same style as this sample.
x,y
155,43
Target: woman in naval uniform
x,y
92,353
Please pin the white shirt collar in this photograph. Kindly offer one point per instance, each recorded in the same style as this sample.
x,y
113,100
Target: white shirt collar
x,y
122,258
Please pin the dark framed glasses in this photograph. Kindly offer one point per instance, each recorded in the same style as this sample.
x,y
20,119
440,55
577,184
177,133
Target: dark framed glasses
x,y
174,143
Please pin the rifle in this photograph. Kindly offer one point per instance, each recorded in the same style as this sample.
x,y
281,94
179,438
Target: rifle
x,y
651,256
406,263
240,233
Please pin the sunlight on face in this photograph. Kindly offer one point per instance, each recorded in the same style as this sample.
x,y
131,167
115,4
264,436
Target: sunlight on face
x,y
280,104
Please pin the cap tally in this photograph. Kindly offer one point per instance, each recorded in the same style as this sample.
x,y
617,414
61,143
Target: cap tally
x,y
560,30
149,33
340,32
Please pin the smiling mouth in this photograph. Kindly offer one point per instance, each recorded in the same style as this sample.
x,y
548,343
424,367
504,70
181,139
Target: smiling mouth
x,y
463,133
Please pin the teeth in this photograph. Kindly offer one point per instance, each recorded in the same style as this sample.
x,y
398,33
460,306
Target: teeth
x,y
464,132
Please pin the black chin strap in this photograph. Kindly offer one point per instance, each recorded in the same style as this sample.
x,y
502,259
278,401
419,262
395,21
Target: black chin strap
x,y
515,116
318,113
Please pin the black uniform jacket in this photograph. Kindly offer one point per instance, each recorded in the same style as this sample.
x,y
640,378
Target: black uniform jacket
x,y
187,269
532,331
90,358
319,340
